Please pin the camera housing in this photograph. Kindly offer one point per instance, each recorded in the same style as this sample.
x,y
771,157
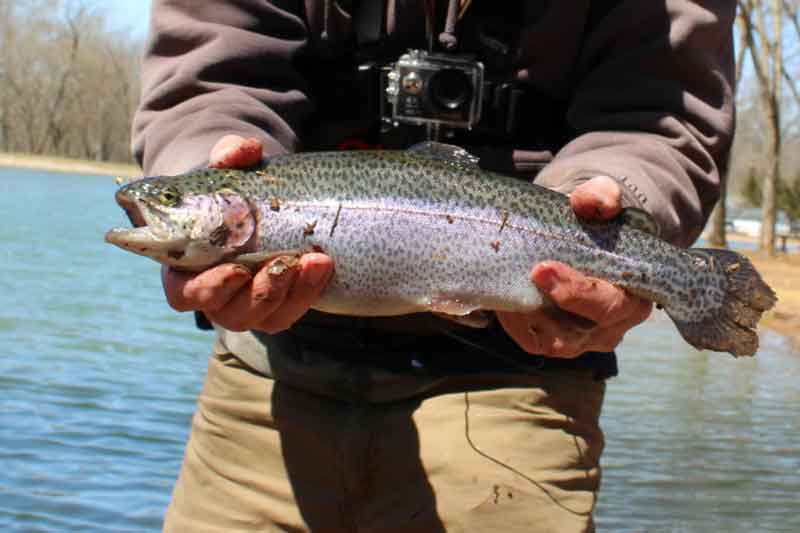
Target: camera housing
x,y
423,88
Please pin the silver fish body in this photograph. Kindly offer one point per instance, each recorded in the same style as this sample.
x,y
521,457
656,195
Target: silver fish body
x,y
428,230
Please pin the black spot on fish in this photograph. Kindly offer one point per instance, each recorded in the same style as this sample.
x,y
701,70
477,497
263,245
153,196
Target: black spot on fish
x,y
219,236
176,254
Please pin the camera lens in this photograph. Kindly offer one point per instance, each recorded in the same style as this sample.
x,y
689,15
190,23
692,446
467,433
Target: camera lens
x,y
450,88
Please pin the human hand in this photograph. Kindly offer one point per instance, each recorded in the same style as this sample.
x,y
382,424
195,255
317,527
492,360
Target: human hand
x,y
233,151
270,300
592,314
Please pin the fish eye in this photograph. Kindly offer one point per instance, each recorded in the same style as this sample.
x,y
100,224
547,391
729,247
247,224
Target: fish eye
x,y
169,196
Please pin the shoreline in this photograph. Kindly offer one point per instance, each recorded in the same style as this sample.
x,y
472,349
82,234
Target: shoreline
x,y
781,273
67,165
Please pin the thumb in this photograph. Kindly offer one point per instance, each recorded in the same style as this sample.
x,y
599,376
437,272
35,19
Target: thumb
x,y
234,151
598,199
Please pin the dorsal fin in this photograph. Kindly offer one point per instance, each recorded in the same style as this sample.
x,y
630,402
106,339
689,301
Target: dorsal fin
x,y
444,152
636,218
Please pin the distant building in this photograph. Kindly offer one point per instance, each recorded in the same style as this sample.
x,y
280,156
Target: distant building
x,y
748,222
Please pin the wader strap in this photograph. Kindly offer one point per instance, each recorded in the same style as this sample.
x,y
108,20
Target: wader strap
x,y
370,22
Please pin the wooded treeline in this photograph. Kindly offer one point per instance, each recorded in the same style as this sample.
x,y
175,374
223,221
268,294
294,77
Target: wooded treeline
x,y
68,83
767,146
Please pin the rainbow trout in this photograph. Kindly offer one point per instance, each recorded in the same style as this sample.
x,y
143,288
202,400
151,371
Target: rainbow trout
x,y
427,230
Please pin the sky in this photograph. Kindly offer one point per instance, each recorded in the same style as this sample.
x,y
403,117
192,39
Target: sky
x,y
130,15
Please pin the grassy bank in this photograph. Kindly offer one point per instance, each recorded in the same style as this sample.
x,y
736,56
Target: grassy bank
x,y
72,166
782,273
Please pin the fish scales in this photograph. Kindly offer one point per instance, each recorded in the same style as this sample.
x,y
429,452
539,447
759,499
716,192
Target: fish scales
x,y
420,197
428,230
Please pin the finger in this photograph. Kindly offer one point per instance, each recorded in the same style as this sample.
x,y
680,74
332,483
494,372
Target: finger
x,y
558,338
315,271
607,339
207,290
264,296
638,314
563,338
562,315
598,199
516,326
592,298
234,151
174,283
539,334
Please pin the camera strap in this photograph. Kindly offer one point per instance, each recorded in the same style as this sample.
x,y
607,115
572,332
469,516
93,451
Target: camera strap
x,y
370,19
370,22
348,89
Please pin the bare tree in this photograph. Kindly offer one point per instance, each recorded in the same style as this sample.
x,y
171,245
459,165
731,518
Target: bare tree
x,y
68,84
766,49
716,236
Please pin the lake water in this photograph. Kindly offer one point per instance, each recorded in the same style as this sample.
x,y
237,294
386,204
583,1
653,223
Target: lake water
x,y
99,379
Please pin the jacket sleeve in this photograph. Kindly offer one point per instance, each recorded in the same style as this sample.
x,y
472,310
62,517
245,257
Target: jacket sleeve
x,y
214,68
653,108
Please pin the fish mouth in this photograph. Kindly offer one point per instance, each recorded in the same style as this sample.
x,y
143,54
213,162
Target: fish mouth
x,y
142,237
130,238
132,209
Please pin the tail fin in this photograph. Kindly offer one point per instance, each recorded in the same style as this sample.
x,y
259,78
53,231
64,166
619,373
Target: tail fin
x,y
747,296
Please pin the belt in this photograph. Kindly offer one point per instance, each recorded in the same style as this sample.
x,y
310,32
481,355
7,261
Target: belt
x,y
418,324
426,343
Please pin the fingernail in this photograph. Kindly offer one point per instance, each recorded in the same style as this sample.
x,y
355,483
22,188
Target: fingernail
x,y
280,274
281,265
316,273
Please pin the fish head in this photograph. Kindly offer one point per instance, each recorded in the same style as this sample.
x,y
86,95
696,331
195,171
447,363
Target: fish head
x,y
186,222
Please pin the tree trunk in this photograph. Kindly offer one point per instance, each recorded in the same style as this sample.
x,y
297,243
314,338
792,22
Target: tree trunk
x,y
769,197
767,57
716,235
773,114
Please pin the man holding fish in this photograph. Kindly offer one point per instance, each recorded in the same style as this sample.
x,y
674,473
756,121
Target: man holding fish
x,y
319,421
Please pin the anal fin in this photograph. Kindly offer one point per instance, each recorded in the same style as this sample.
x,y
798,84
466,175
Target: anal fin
x,y
478,319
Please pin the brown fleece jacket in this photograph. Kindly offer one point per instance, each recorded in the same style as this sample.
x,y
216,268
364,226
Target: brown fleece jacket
x,y
647,87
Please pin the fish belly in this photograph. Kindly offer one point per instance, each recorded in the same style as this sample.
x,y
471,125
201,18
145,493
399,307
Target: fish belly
x,y
400,257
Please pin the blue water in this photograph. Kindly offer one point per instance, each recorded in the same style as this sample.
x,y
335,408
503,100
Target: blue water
x,y
99,378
